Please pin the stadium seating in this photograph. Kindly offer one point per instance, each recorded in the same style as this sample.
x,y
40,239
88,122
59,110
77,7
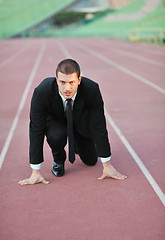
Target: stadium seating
x,y
18,15
140,20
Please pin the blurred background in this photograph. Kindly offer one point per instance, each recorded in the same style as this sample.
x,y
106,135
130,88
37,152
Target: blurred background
x,y
134,20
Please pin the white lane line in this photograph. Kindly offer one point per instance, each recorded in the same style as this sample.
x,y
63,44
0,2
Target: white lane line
x,y
141,58
64,50
140,164
132,45
8,60
120,67
66,53
22,102
138,161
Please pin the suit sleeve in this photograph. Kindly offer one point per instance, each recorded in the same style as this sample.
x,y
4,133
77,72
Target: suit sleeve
x,y
98,126
37,128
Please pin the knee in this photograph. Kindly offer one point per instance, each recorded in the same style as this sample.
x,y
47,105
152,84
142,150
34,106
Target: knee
x,y
90,162
56,142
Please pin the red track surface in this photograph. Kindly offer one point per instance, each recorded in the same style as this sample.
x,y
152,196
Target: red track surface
x,y
78,206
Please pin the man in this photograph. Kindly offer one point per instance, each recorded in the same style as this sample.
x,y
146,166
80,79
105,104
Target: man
x,y
49,117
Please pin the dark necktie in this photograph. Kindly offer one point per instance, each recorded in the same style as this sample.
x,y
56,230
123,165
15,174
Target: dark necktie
x,y
70,130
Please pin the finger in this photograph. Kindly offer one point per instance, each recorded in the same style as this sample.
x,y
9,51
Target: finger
x,y
118,176
102,177
113,173
44,181
24,182
30,182
123,177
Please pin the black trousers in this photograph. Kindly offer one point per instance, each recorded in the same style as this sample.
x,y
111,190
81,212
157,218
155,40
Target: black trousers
x,y
56,134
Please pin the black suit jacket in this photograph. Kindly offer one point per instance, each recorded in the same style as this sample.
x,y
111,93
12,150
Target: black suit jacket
x,y
88,115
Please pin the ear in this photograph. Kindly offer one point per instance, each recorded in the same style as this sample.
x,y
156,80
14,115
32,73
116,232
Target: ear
x,y
79,80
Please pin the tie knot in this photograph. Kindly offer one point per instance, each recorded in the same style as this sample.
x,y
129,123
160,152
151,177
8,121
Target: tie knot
x,y
69,103
69,100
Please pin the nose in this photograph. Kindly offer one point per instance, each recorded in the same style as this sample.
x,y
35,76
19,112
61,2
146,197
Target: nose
x,y
67,87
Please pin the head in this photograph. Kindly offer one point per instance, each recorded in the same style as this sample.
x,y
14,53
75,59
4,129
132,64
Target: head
x,y
68,77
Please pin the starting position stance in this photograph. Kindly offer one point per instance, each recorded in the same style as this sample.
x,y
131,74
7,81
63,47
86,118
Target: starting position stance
x,y
48,117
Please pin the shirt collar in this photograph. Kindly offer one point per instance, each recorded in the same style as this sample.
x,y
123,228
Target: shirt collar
x,y
64,99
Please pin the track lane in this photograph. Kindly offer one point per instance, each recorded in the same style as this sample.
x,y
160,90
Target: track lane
x,y
15,74
9,56
107,210
134,67
155,51
21,105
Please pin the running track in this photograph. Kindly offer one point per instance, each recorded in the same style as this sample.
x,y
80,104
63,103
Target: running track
x,y
78,206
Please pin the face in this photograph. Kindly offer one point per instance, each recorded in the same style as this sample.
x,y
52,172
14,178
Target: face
x,y
68,84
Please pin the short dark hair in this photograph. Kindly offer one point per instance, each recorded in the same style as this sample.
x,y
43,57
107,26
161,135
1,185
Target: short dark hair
x,y
68,66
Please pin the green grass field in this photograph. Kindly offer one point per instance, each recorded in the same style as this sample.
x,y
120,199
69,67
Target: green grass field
x,y
18,15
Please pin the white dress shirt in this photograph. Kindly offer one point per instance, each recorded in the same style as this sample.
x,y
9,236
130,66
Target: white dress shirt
x,y
38,166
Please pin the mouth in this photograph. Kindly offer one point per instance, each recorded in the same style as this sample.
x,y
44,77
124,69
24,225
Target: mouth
x,y
67,93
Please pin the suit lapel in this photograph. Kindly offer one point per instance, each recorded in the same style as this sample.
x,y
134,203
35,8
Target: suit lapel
x,y
79,101
59,108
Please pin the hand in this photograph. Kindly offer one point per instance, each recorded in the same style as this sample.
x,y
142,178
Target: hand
x,y
111,172
34,178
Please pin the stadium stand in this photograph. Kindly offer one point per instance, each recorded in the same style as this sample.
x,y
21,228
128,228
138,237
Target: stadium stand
x,y
151,27
136,20
98,26
18,15
142,20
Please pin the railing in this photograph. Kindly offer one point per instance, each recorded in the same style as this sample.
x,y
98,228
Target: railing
x,y
147,34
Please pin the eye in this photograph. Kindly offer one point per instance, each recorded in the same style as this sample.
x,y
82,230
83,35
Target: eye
x,y
71,82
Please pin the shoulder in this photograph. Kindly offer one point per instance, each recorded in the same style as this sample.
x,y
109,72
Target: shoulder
x,y
47,83
89,90
47,86
88,82
89,85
